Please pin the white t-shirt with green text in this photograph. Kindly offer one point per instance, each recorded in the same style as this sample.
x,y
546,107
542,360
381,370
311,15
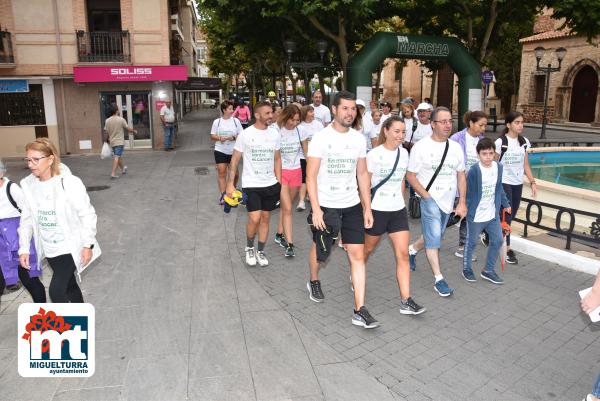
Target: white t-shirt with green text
x,y
513,160
471,148
291,147
425,157
486,210
54,242
339,154
224,128
380,162
258,147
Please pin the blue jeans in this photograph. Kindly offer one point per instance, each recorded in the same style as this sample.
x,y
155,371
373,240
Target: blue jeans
x,y
433,223
596,389
494,231
169,130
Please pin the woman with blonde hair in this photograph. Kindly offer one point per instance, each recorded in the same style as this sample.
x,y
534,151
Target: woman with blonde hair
x,y
58,214
293,146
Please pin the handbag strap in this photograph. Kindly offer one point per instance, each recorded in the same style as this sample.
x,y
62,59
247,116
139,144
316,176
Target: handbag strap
x,y
437,171
380,183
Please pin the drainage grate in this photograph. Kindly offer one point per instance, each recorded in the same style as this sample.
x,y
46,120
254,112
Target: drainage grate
x,y
201,170
97,188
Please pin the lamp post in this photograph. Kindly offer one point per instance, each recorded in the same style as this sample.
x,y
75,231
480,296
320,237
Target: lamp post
x,y
423,68
560,55
290,48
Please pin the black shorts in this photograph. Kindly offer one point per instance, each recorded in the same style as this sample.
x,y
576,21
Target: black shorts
x,y
388,222
264,198
222,158
350,220
303,165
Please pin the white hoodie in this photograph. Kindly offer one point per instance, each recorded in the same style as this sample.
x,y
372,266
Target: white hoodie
x,y
75,215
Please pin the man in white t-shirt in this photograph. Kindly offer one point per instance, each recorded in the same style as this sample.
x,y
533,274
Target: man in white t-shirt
x,y
437,201
322,113
167,118
258,145
337,180
424,128
386,108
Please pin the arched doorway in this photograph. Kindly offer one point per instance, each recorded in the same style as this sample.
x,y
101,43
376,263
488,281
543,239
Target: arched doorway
x,y
388,44
583,96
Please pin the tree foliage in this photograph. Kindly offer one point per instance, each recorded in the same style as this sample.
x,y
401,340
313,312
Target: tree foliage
x,y
582,16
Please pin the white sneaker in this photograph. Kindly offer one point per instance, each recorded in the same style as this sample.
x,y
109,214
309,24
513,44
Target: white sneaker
x,y
124,170
250,256
301,206
262,259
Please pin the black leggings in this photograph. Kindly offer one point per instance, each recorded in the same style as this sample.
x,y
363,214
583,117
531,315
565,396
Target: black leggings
x,y
63,286
2,283
33,285
513,193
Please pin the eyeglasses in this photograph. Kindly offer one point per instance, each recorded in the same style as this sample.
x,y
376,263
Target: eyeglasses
x,y
34,160
445,122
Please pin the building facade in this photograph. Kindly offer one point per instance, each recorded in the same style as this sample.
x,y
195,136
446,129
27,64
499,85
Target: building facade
x,y
65,63
573,93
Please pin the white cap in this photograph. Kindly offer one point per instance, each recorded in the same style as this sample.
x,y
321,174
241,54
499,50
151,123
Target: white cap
x,y
424,106
360,102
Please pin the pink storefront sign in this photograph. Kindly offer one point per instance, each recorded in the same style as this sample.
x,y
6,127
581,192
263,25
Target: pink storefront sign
x,y
130,73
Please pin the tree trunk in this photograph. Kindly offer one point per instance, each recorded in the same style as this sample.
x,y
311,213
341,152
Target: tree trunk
x,y
469,18
400,72
433,83
307,95
488,31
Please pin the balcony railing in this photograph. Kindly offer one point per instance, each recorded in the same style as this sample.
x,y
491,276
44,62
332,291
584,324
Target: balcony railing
x,y
102,47
6,51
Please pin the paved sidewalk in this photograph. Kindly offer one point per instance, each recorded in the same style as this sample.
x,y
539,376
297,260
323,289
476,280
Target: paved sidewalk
x,y
178,317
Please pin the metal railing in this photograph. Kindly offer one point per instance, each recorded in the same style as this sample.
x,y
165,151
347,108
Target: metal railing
x,y
585,142
593,238
101,46
6,50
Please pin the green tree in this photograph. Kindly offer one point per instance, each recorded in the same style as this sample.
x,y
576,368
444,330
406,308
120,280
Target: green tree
x,y
582,16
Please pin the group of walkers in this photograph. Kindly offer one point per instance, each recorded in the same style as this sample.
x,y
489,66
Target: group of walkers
x,y
356,168
49,215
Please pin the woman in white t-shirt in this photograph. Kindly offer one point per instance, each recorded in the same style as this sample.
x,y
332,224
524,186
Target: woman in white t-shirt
x,y
60,218
224,131
293,146
310,125
511,152
387,204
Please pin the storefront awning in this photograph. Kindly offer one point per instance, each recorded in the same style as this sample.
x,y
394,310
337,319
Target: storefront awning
x,y
199,84
130,73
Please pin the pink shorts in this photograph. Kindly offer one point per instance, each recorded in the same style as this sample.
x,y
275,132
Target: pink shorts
x,y
292,178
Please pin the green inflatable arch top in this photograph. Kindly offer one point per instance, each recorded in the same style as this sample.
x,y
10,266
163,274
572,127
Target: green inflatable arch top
x,y
394,45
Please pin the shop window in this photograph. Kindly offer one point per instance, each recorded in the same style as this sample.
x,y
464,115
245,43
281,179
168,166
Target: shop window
x,y
540,86
23,108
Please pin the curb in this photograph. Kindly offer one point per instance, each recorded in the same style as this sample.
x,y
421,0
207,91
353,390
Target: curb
x,y
558,256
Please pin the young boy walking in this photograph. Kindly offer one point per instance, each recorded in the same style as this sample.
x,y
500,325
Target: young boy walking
x,y
485,198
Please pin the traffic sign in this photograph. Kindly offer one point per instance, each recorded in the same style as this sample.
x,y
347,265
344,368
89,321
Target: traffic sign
x,y
487,77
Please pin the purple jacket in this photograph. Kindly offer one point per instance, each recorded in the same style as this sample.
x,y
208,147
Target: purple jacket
x,y
9,247
460,138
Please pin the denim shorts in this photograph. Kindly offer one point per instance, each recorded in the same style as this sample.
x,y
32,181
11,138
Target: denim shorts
x,y
118,150
433,223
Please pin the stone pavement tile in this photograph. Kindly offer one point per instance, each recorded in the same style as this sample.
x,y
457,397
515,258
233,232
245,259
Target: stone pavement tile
x,y
162,378
344,381
215,317
16,388
319,353
282,373
218,354
91,394
221,388
441,391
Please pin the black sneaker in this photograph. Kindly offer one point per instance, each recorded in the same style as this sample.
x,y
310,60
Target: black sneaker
x,y
314,291
411,307
511,257
363,318
290,251
13,287
280,239
485,239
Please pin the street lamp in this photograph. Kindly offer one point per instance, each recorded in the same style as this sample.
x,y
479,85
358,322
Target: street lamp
x,y
290,48
560,55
